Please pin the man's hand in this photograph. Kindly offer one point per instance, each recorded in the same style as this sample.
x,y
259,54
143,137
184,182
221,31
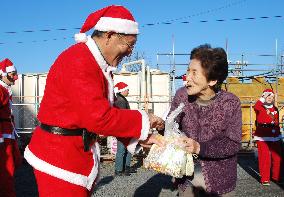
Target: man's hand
x,y
153,139
156,122
190,145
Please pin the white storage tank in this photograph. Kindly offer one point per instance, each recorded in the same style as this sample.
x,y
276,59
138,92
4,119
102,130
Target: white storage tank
x,y
149,90
159,87
27,94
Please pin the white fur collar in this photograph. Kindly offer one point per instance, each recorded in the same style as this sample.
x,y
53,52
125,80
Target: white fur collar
x,y
8,88
106,69
268,106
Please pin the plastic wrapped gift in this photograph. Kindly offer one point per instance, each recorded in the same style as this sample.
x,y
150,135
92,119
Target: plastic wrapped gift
x,y
171,159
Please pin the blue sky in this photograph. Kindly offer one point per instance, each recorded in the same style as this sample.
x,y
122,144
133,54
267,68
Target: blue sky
x,y
39,49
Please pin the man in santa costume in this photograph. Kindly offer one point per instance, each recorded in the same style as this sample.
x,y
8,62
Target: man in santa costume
x,y
78,101
268,137
10,157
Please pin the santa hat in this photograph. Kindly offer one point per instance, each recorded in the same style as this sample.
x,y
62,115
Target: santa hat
x,y
184,80
266,93
112,18
120,87
6,66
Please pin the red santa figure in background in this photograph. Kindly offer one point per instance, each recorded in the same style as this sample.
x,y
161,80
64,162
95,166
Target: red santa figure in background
x,y
10,157
78,105
184,82
120,87
268,137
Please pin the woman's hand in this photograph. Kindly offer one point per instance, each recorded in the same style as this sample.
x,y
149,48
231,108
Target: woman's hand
x,y
190,145
153,139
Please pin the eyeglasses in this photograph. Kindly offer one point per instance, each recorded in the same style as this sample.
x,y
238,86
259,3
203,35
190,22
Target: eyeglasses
x,y
130,46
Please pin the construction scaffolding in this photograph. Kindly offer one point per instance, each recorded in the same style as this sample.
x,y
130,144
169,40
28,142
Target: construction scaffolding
x,y
243,76
153,89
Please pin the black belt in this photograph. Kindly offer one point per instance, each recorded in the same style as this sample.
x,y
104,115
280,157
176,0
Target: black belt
x,y
88,137
61,131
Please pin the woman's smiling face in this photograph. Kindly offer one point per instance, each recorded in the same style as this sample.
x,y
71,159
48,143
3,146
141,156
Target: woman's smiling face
x,y
196,80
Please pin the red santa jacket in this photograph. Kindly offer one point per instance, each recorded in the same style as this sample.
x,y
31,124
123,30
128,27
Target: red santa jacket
x,y
11,157
6,126
79,94
267,125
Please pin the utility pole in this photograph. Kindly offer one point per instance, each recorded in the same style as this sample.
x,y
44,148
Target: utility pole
x,y
281,64
174,67
276,71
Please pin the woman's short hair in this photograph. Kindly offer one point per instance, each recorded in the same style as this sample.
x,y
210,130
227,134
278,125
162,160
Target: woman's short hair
x,y
214,63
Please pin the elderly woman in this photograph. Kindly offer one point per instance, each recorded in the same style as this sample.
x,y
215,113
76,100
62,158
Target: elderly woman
x,y
212,122
268,138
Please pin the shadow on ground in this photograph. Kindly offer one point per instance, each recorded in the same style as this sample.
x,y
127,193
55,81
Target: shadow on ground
x,y
104,181
154,186
248,161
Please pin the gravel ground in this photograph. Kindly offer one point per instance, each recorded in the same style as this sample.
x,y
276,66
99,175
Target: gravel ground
x,y
150,184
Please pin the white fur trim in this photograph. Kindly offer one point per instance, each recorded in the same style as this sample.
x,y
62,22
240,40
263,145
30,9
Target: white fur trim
x,y
96,53
133,146
2,73
145,125
266,94
10,69
81,37
268,106
71,177
268,139
117,25
1,140
262,99
106,69
110,84
8,87
116,90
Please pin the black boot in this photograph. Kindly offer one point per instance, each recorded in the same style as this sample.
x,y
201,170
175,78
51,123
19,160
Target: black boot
x,y
130,169
126,173
118,173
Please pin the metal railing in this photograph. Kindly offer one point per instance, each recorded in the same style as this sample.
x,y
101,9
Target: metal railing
x,y
26,119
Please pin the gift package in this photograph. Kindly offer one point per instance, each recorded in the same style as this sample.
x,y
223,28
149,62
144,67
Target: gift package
x,y
171,159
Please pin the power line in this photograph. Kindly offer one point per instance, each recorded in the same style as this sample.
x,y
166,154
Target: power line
x,y
36,41
41,30
150,24
167,22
